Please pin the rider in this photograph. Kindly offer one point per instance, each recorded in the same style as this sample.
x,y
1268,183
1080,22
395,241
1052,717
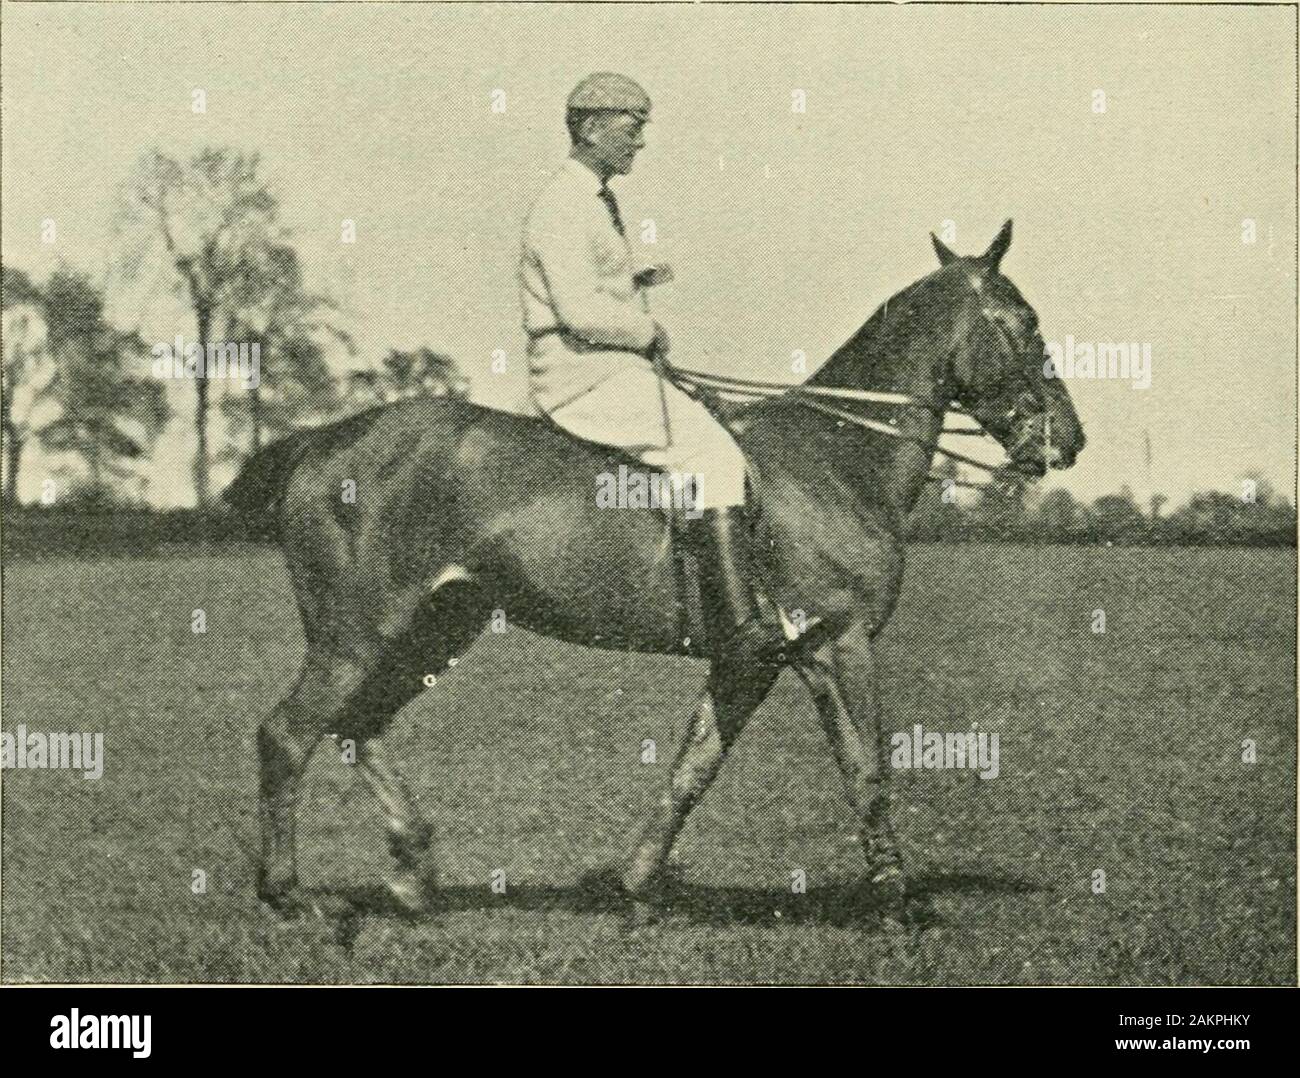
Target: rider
x,y
592,345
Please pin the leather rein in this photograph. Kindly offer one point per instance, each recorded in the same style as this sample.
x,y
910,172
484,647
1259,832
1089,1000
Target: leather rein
x,y
815,398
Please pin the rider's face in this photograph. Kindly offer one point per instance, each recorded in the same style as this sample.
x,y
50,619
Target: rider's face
x,y
615,140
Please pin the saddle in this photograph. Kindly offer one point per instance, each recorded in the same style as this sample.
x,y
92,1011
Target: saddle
x,y
641,485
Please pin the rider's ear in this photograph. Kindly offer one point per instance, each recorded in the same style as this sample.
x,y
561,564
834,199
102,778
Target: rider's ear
x,y
993,256
945,253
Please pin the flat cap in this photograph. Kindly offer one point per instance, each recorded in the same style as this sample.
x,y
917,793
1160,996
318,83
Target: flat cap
x,y
606,90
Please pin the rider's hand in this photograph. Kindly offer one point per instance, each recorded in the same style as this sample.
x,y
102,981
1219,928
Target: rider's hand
x,y
660,344
650,276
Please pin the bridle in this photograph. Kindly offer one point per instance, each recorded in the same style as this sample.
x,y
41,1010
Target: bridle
x,y
814,397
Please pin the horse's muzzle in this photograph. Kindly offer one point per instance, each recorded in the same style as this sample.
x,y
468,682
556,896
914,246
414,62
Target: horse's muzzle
x,y
1036,447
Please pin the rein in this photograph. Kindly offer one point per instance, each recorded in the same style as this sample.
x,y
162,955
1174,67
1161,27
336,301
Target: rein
x,y
812,397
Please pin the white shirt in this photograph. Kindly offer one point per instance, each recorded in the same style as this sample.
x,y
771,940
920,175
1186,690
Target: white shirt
x,y
575,273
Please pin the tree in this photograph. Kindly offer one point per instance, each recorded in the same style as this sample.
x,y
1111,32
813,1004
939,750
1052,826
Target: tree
x,y
269,306
1001,505
200,225
106,414
27,370
1117,517
1219,517
937,514
418,372
1058,514
1264,491
425,372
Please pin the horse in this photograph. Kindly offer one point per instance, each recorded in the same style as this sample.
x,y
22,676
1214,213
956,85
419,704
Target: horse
x,y
407,527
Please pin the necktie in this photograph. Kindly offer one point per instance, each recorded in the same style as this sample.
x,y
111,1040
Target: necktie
x,y
611,204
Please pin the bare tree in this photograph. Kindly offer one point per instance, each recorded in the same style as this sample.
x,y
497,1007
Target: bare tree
x,y
270,306
199,225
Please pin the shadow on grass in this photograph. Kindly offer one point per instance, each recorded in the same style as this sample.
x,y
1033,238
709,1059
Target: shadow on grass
x,y
845,904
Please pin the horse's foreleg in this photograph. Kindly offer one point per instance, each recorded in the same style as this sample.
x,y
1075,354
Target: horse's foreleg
x,y
733,692
698,761
842,679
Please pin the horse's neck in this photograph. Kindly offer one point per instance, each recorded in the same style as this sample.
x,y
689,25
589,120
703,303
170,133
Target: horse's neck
x,y
879,468
881,356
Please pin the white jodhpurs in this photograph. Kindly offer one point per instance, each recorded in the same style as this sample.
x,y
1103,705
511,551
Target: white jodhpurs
x,y
626,411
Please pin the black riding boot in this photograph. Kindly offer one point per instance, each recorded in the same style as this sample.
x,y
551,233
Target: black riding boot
x,y
731,615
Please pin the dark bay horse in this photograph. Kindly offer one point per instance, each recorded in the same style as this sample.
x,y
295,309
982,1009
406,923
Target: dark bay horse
x,y
408,527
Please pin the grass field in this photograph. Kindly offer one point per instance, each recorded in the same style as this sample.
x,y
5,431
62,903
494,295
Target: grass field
x,y
1119,751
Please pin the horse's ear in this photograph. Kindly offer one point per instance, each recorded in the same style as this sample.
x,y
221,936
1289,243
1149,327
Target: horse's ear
x,y
945,253
992,258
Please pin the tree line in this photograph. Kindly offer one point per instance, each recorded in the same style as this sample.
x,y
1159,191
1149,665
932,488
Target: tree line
x,y
1008,509
205,234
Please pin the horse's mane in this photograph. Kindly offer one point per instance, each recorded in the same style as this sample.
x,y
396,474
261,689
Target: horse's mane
x,y
843,367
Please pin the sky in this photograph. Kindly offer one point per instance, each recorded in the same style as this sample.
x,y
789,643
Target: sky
x,y
785,230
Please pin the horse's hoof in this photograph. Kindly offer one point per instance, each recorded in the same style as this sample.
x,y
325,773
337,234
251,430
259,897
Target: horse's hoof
x,y
293,907
887,875
641,914
347,928
882,894
299,903
412,894
606,890
604,887
288,901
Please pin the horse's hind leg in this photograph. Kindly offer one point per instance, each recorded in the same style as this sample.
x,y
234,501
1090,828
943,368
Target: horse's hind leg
x,y
410,834
445,626
734,690
285,741
844,688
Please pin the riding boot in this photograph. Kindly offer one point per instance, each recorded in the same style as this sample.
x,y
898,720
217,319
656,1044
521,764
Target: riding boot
x,y
731,615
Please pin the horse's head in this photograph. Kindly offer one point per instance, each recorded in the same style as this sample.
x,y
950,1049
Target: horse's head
x,y
998,365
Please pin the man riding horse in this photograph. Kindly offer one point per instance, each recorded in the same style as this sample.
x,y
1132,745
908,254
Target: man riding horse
x,y
592,348
463,513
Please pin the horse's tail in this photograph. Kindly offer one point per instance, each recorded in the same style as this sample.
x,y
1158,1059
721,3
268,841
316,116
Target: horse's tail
x,y
259,487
